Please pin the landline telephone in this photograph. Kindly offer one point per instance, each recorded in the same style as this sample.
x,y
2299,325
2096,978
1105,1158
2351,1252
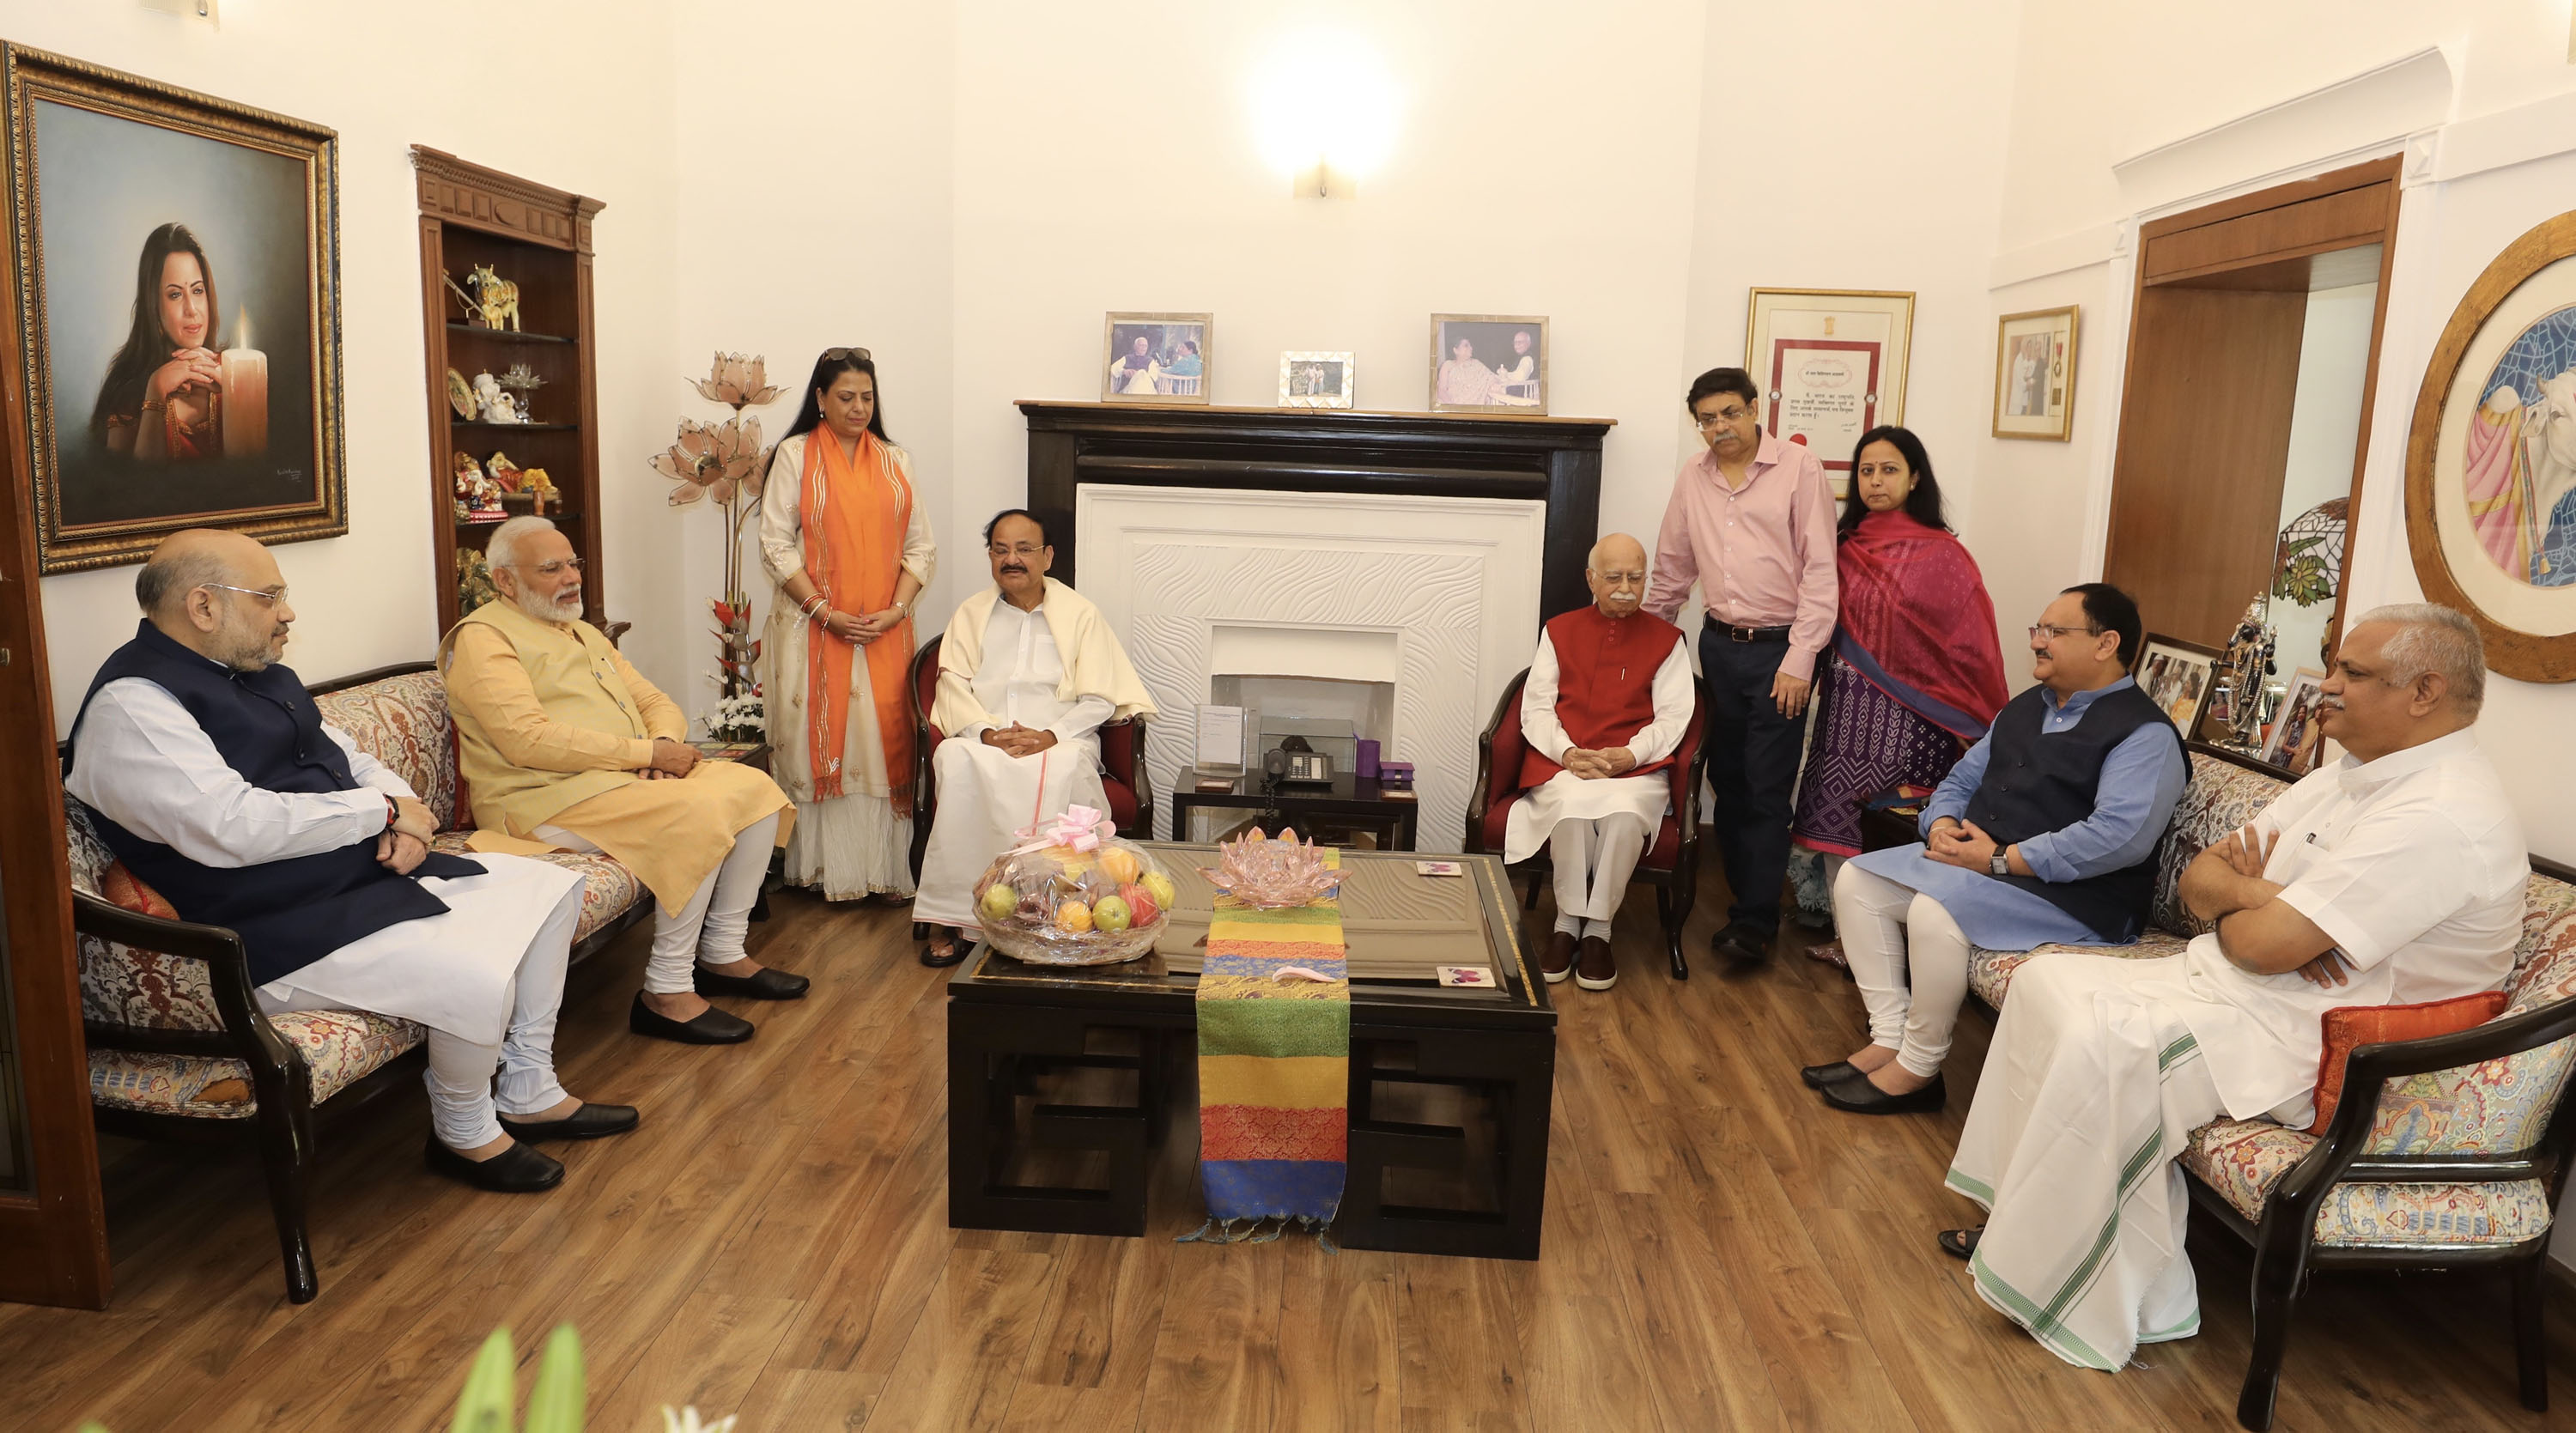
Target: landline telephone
x,y
1295,762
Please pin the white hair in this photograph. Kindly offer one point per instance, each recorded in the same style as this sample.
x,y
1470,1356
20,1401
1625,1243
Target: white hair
x,y
2433,638
503,548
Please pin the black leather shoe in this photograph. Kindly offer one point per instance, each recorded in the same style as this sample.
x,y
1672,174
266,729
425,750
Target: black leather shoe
x,y
516,1170
1861,1097
1742,942
931,957
711,1027
761,984
1819,1076
591,1121
1960,1243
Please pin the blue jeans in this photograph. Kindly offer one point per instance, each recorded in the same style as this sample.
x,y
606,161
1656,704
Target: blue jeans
x,y
1753,754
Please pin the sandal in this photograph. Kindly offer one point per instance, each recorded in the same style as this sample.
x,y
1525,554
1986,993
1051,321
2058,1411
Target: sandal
x,y
939,956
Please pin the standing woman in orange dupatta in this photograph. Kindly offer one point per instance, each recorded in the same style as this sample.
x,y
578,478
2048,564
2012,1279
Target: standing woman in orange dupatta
x,y
844,536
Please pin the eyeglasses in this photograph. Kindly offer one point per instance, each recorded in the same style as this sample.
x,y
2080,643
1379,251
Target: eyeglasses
x,y
268,596
1707,421
844,355
2049,632
1023,550
551,569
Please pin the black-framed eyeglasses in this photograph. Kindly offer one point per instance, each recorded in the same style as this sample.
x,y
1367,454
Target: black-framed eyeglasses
x,y
268,596
2050,632
844,355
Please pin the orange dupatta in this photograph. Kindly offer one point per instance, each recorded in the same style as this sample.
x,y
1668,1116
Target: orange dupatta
x,y
854,516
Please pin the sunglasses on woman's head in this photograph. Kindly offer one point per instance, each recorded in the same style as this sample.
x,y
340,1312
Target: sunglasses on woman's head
x,y
838,355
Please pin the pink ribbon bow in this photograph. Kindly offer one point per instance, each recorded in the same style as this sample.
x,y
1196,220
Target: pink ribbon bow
x,y
1080,827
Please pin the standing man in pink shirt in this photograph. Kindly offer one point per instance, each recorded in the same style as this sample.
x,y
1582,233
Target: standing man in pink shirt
x,y
1752,522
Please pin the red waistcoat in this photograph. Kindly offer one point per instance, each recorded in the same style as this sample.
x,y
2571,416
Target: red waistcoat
x,y
1605,688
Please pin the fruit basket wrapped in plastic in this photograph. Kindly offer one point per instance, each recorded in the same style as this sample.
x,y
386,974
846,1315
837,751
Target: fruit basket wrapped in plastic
x,y
1073,893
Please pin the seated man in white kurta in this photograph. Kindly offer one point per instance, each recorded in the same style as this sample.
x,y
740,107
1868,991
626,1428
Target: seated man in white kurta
x,y
2391,877
209,771
1608,697
1028,670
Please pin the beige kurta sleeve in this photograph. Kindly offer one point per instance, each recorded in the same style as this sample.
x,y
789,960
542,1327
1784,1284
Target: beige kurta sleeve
x,y
782,516
920,550
486,682
662,716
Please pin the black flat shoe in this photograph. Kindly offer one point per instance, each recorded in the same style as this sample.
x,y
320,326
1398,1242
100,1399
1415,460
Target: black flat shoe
x,y
1743,943
516,1170
591,1121
761,984
1861,1097
711,1027
931,957
1960,1243
1819,1076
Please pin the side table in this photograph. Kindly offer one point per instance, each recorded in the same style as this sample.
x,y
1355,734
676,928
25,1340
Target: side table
x,y
1349,801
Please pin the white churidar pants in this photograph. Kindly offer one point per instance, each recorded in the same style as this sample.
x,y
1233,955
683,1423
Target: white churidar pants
x,y
1593,859
710,929
1891,934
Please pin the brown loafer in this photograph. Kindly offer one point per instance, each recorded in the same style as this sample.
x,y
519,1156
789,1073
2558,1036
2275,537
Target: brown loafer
x,y
1599,969
1558,962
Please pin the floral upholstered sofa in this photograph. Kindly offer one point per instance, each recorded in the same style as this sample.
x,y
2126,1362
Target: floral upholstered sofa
x,y
177,1048
2484,1125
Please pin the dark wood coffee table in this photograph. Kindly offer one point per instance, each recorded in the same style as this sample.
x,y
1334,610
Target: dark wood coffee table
x,y
1349,801
1009,1023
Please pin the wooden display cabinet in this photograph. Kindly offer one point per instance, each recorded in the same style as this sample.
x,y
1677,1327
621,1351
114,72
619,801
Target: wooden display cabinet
x,y
538,238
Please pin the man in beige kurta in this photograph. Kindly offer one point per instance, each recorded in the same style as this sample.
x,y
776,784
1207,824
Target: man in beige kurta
x,y
565,746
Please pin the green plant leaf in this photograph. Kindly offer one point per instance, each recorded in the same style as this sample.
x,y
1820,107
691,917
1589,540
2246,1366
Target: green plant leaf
x,y
555,1405
485,1406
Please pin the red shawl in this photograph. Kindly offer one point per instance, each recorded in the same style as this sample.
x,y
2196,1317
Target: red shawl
x,y
1916,621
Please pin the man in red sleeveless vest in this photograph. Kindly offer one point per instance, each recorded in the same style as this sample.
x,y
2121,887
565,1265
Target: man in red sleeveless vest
x,y
1608,697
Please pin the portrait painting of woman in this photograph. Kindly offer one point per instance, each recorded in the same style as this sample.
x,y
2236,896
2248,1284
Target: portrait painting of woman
x,y
163,396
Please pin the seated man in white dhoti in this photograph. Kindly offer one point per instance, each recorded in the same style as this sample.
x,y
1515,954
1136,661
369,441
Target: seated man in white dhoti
x,y
2393,876
1608,697
566,747
1028,670
209,772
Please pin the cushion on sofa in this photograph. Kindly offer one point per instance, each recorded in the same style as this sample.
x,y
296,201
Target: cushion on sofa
x,y
402,721
339,1047
2221,798
2243,1159
2348,1027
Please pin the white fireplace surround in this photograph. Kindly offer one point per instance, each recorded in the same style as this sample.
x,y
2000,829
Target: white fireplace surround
x,y
1199,582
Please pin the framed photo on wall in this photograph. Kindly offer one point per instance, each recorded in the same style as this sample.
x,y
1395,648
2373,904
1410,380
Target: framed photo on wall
x,y
2292,742
2175,675
174,284
1488,363
1316,379
2035,374
1831,364
1156,358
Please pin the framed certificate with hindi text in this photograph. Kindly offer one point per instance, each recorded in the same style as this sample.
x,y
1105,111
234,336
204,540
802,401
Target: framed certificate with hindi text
x,y
1831,364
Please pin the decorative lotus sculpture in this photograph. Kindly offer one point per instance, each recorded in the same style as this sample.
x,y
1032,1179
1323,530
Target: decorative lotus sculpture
x,y
1272,873
725,462
737,382
717,460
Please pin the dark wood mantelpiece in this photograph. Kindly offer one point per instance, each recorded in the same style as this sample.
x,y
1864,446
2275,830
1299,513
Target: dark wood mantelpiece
x,y
1556,461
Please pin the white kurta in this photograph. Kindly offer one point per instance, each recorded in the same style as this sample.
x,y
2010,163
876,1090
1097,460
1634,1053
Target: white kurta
x,y
1123,379
1567,797
985,793
145,764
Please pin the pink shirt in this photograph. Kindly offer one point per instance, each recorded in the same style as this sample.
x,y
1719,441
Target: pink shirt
x,y
1763,554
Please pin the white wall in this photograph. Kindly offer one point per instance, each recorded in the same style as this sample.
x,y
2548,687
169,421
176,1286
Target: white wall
x,y
603,129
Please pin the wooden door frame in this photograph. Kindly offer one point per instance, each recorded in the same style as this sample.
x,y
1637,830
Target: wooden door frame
x,y
2388,170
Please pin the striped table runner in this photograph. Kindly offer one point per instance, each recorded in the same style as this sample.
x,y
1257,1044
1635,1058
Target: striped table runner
x,y
1274,1069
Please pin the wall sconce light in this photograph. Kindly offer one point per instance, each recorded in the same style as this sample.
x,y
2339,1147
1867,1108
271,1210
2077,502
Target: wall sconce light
x,y
1324,109
191,9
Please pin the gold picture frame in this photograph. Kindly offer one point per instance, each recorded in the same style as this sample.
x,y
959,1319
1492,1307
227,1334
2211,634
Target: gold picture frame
x,y
244,205
2035,355
1174,342
1514,382
1310,378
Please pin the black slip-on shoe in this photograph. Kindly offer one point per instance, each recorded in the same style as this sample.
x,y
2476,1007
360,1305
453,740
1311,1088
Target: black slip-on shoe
x,y
1960,1243
516,1170
591,1121
761,984
711,1027
1740,942
931,957
1819,1076
1861,1097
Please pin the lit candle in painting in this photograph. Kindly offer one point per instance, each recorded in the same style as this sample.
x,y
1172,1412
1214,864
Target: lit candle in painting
x,y
244,372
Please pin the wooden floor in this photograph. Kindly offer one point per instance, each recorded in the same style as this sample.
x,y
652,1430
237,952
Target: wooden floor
x,y
1722,1252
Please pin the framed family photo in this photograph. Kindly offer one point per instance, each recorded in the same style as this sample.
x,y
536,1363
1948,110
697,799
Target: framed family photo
x,y
1831,364
1316,379
2294,739
1156,358
174,287
1488,363
2035,374
2176,675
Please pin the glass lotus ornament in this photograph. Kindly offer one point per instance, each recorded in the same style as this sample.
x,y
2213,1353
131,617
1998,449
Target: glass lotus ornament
x,y
738,382
714,460
1073,893
1272,873
726,462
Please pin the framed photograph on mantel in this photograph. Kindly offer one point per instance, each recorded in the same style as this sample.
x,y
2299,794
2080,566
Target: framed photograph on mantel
x,y
2035,374
1156,358
1831,364
1309,379
1487,363
2176,676
174,271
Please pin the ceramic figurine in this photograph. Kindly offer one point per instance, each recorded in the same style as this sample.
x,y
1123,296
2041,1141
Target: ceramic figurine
x,y
508,474
496,405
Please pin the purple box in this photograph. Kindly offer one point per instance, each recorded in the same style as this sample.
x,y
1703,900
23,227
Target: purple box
x,y
1395,773
1367,761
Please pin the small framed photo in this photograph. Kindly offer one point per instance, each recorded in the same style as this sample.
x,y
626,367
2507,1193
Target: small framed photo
x,y
2175,675
1488,363
2035,374
1156,358
2294,739
1316,380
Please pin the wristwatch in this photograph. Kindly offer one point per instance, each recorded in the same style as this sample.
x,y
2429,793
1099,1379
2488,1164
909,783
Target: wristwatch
x,y
2000,865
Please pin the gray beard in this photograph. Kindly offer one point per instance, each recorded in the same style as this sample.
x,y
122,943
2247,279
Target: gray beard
x,y
545,609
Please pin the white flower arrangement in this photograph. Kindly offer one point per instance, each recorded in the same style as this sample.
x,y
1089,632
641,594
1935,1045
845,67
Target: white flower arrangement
x,y
738,718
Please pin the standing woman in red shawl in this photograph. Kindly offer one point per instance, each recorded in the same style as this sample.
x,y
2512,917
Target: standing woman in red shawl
x,y
1916,672
844,536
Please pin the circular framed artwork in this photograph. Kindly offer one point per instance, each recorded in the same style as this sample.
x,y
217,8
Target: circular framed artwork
x,y
2491,458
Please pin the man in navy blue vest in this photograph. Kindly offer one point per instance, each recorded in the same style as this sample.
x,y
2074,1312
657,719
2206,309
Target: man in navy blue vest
x,y
2044,833
208,770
